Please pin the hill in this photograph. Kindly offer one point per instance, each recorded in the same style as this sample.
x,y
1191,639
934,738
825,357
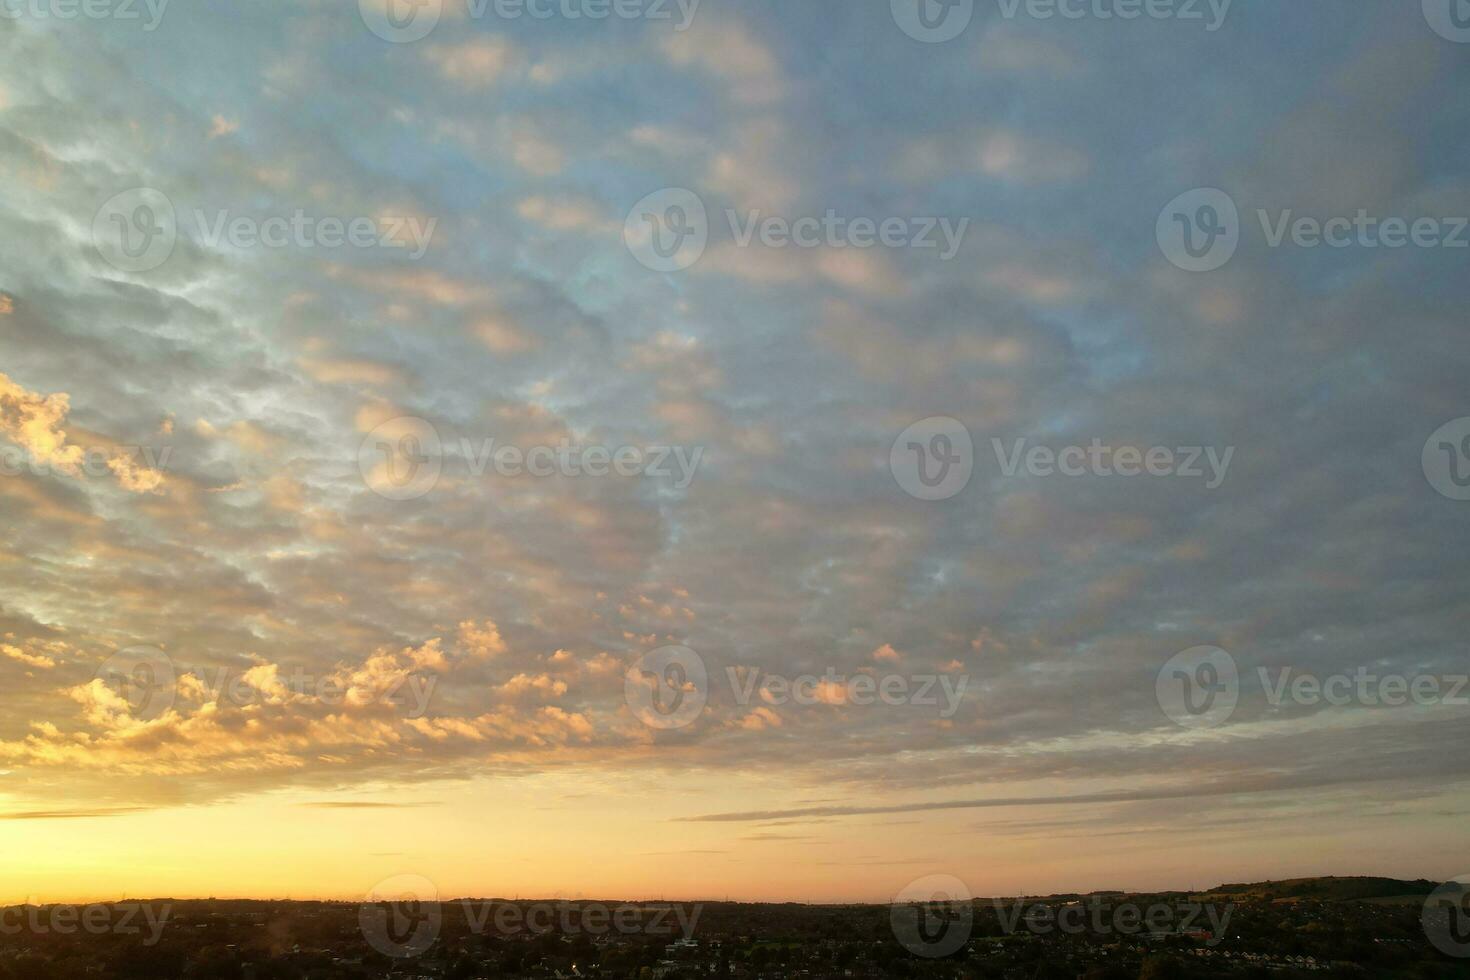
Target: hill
x,y
1324,889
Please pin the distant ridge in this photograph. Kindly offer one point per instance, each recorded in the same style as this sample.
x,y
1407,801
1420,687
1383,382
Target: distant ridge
x,y
1326,889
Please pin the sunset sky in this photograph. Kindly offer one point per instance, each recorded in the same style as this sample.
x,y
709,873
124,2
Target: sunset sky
x,y
192,469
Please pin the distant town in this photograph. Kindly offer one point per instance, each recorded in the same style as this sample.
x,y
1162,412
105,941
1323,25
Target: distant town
x,y
1318,927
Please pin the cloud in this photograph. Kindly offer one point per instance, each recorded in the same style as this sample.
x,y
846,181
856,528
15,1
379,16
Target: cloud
x,y
485,629
220,126
534,152
479,62
562,214
1008,51
481,640
731,52
1003,153
502,336
35,422
274,721
425,285
1078,799
540,685
848,268
353,371
79,814
29,659
886,654
751,167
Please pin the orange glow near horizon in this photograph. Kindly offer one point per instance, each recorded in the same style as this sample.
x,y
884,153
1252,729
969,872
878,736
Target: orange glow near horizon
x,y
507,840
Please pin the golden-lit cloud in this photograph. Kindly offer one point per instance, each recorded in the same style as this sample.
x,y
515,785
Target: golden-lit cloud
x,y
35,421
481,640
29,659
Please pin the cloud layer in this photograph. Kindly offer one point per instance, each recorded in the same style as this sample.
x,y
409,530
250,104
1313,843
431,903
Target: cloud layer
x,y
224,396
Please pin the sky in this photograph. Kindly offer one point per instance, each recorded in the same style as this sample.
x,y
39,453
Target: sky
x,y
433,443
